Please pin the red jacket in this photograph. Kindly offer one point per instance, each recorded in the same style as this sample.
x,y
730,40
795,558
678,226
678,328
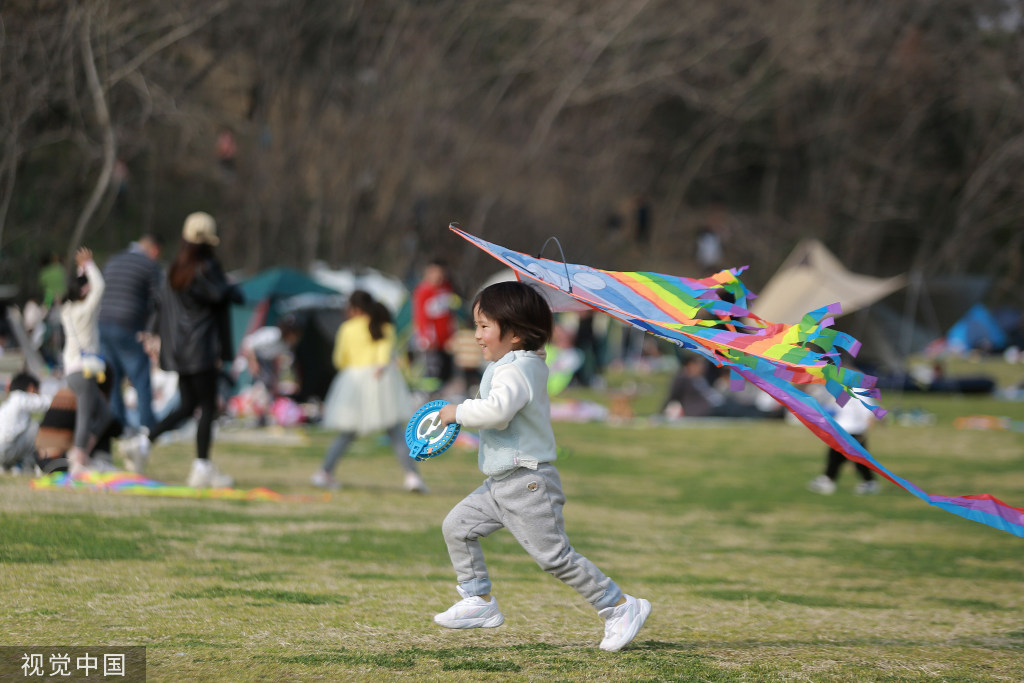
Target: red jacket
x,y
432,315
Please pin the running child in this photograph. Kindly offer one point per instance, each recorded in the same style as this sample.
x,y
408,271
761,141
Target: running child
x,y
523,491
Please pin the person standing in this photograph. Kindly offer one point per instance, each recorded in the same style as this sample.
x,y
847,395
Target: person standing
x,y
83,366
433,316
856,419
369,393
53,279
192,324
133,280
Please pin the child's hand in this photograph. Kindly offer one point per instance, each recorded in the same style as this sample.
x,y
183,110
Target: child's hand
x,y
447,414
83,256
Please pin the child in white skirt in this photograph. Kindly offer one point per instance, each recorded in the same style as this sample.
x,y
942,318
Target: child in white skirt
x,y
369,393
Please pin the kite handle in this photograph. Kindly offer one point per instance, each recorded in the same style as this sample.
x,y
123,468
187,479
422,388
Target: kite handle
x,y
548,241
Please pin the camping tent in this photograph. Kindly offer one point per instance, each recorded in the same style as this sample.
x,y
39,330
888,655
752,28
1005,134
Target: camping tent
x,y
811,277
892,317
264,294
977,329
317,310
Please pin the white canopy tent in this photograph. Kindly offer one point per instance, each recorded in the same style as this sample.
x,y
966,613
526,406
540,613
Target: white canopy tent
x,y
810,278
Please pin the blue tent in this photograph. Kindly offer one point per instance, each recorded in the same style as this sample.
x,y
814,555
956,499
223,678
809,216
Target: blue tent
x,y
265,296
977,329
318,311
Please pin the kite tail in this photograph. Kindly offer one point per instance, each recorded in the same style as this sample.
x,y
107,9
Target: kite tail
x,y
982,508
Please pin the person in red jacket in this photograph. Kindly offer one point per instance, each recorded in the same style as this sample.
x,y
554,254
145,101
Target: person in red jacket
x,y
433,313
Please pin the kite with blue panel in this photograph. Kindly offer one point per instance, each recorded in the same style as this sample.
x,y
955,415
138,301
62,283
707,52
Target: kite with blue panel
x,y
710,316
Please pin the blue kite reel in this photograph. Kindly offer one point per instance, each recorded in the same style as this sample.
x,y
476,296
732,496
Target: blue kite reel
x,y
426,435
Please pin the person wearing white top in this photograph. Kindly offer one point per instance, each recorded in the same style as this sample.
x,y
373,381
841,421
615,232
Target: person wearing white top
x,y
83,367
856,419
523,490
17,430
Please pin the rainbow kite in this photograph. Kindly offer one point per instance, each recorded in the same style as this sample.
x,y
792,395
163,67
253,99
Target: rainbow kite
x,y
138,485
710,316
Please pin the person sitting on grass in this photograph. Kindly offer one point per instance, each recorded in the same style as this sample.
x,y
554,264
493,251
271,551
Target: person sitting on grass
x,y
523,490
17,428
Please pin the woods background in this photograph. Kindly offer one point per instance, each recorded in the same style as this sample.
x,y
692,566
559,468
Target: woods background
x,y
892,131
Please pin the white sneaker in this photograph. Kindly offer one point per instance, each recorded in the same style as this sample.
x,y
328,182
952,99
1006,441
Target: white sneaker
x,y
325,480
205,475
623,622
471,612
414,483
822,484
136,451
101,465
867,488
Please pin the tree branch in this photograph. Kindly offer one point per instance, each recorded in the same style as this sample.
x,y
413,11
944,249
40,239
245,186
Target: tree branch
x,y
103,121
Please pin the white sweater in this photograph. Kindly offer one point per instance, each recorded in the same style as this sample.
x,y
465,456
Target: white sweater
x,y
80,320
513,414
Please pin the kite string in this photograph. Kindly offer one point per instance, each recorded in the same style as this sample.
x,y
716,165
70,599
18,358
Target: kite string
x,y
564,263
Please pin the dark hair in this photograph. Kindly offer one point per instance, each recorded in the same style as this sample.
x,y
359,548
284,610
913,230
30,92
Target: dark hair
x,y
378,312
187,263
518,309
152,237
23,381
288,324
76,283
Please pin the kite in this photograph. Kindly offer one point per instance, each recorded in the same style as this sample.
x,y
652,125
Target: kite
x,y
709,316
136,484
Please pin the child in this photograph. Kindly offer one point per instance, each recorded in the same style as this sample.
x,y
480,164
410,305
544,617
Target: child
x,y
856,420
17,430
369,393
523,491
83,367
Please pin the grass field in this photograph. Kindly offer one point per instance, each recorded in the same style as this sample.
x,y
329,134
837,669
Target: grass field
x,y
752,578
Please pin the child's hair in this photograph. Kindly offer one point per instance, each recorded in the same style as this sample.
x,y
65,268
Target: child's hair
x,y
23,381
76,283
378,312
518,309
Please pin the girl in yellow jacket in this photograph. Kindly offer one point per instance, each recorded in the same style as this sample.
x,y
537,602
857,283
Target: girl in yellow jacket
x,y
369,393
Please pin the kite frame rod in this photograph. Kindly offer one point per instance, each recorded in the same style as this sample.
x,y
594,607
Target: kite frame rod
x,y
564,262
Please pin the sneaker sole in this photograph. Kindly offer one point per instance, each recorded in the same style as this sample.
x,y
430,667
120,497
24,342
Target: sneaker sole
x,y
489,622
645,611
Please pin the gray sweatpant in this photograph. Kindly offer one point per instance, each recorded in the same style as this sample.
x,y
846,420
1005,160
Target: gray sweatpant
x,y
92,412
529,504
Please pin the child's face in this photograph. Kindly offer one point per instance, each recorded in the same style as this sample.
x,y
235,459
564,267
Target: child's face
x,y
488,335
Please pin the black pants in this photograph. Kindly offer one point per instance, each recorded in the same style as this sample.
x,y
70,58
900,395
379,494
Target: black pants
x,y
197,391
834,460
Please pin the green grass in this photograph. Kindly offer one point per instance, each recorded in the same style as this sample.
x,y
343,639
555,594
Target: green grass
x,y
752,578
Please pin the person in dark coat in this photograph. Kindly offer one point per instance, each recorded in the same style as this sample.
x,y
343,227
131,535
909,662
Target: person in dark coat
x,y
193,326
